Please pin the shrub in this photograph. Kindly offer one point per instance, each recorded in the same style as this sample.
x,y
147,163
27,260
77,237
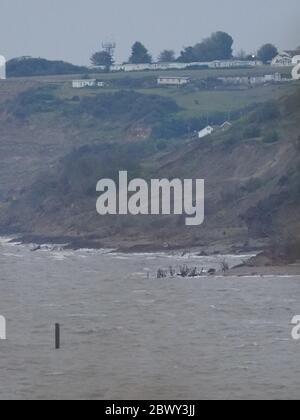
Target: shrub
x,y
267,112
272,137
170,128
129,105
252,132
35,101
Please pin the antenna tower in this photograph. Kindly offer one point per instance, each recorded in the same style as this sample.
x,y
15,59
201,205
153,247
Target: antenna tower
x,y
110,48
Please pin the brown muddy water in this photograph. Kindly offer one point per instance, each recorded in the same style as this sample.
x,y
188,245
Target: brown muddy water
x,y
128,335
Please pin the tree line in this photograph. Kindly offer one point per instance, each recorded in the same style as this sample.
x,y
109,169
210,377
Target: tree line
x,y
219,46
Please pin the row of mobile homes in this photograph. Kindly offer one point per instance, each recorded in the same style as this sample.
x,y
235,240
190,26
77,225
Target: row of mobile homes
x,y
217,64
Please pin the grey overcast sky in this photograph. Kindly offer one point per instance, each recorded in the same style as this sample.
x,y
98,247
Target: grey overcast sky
x,y
73,29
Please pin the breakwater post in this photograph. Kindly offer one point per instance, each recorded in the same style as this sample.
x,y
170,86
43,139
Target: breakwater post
x,y
57,336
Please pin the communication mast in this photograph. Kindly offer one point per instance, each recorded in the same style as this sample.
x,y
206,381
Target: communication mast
x,y
110,48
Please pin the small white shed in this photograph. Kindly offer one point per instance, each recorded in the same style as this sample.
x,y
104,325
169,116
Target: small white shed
x,y
207,131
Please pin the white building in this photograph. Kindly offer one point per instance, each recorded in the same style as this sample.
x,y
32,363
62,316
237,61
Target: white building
x,y
2,68
144,67
207,131
229,64
225,126
131,67
173,81
217,64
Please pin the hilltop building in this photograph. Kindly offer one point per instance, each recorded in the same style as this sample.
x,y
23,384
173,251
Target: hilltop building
x,y
217,64
230,64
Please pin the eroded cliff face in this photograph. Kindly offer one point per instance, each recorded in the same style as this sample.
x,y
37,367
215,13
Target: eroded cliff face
x,y
50,165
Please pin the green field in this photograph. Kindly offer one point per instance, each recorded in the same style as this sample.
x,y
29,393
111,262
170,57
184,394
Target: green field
x,y
193,101
196,103
206,101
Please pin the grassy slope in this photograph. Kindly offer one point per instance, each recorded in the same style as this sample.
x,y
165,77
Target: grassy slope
x,y
203,102
194,103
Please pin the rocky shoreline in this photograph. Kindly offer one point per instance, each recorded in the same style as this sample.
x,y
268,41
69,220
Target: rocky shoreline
x,y
265,263
130,247
287,270
268,262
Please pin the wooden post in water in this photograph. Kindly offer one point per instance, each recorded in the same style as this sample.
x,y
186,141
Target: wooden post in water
x,y
57,336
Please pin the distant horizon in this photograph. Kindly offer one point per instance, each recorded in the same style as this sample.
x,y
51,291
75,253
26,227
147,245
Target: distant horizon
x,y
71,33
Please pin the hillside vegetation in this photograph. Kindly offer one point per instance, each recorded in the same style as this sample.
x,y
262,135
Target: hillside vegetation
x,y
54,149
28,66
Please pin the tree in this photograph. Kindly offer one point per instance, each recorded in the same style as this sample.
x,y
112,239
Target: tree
x,y
140,54
187,55
102,58
217,47
267,52
167,56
